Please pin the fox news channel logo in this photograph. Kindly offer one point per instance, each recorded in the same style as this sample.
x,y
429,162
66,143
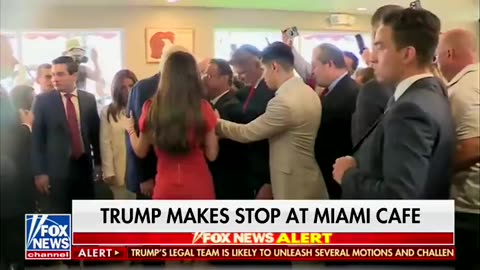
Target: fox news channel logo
x,y
48,237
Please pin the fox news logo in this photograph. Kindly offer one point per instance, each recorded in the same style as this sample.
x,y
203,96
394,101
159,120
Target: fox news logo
x,y
48,237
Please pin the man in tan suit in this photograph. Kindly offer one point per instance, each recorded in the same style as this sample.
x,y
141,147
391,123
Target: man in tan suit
x,y
290,123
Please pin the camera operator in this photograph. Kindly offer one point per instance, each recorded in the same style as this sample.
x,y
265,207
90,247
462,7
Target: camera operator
x,y
77,52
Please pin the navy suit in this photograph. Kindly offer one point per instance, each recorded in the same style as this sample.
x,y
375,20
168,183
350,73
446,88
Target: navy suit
x,y
333,138
370,105
408,153
51,143
140,170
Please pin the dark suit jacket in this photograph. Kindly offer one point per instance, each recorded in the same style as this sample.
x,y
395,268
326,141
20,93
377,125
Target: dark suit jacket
x,y
51,138
140,170
371,102
333,139
17,187
409,153
258,168
227,171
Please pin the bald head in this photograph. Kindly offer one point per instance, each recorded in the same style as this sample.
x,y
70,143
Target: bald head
x,y
456,50
460,40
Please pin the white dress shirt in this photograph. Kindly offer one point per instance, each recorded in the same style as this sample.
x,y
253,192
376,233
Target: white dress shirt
x,y
76,104
406,83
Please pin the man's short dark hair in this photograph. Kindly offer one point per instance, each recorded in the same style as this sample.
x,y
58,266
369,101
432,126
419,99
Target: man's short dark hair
x,y
353,57
43,66
224,68
418,28
279,52
382,12
331,53
72,66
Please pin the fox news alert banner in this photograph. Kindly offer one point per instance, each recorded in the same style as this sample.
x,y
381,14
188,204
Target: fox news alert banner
x,y
254,229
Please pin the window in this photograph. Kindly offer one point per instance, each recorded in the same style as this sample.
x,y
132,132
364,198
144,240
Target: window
x,y
33,48
308,40
226,39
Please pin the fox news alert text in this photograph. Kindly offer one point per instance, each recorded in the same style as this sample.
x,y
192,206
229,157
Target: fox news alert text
x,y
250,230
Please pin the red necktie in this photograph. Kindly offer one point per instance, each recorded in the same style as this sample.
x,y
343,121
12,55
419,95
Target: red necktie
x,y
77,144
250,95
324,93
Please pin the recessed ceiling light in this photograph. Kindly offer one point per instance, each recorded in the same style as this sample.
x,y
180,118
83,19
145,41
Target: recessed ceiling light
x,y
361,9
171,1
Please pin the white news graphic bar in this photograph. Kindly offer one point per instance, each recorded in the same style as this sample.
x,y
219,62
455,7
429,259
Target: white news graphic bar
x,y
434,215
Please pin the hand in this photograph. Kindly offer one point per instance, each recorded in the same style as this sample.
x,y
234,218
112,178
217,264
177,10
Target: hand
x,y
94,55
217,114
366,56
146,188
26,117
265,193
109,180
42,183
287,40
342,165
127,123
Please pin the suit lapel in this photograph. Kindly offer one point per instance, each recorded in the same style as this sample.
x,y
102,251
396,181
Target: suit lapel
x,y
60,108
223,99
82,108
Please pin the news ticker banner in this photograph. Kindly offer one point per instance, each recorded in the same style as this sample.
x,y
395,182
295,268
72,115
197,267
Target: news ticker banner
x,y
255,253
231,224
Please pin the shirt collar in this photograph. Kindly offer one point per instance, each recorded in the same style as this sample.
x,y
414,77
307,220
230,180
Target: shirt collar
x,y
406,83
334,83
469,68
258,82
287,83
73,93
215,100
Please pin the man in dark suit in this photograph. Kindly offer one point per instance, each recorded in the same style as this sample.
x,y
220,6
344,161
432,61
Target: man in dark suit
x,y
141,172
408,153
338,103
65,133
254,99
373,96
228,175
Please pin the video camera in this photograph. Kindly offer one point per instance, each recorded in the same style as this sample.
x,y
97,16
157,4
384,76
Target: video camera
x,y
78,55
291,32
416,4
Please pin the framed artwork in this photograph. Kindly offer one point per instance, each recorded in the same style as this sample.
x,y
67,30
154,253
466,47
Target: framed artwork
x,y
157,39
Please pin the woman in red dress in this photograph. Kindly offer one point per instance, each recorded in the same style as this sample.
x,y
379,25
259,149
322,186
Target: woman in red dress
x,y
180,125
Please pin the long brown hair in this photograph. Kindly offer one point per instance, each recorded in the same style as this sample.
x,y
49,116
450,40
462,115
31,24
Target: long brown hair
x,y
176,107
119,98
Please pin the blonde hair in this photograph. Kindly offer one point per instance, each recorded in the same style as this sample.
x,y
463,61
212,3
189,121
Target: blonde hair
x,y
169,51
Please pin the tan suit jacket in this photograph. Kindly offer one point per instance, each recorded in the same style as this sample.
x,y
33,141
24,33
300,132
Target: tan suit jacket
x,y
290,123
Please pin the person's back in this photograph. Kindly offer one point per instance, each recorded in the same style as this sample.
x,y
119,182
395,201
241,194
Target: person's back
x,y
180,125
180,176
293,151
290,124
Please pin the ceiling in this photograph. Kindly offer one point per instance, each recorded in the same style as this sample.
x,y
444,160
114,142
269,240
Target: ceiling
x,y
441,7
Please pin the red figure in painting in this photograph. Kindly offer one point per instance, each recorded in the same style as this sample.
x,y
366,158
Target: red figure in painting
x,y
157,43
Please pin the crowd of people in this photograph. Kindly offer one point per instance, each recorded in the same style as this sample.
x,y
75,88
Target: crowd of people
x,y
406,127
